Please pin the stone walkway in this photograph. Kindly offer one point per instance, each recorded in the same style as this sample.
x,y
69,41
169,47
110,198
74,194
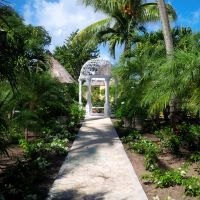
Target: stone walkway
x,y
97,167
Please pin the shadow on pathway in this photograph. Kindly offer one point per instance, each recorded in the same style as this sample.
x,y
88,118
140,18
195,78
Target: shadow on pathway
x,y
97,167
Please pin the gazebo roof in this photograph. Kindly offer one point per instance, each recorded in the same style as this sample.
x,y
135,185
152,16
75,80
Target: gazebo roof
x,y
96,68
58,71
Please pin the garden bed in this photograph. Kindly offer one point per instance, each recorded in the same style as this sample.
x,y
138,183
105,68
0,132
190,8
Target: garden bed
x,y
166,161
42,179
169,161
52,172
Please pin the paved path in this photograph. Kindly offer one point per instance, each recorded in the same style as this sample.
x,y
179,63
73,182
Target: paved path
x,y
97,167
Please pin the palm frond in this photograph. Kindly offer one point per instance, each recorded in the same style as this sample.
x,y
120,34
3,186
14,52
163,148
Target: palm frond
x,y
107,6
150,12
90,31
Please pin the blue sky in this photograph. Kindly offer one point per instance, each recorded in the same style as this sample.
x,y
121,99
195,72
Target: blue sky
x,y
61,17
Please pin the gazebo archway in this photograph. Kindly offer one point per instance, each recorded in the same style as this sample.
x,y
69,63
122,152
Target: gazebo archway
x,y
96,70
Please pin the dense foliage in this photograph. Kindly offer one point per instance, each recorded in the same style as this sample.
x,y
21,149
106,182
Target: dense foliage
x,y
153,88
37,112
159,79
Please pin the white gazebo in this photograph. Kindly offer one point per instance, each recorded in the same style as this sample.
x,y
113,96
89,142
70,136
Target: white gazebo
x,y
95,70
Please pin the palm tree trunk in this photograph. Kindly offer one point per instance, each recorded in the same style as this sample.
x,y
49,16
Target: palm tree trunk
x,y
127,45
166,27
169,50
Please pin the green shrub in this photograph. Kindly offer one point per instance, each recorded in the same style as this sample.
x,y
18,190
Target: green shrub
x,y
150,151
131,137
175,177
39,148
193,137
172,143
190,135
58,145
169,139
14,134
56,129
151,160
192,186
143,146
34,149
195,157
167,178
76,115
19,180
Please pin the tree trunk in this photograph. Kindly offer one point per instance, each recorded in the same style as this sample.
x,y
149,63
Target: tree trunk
x,y
165,27
127,46
169,50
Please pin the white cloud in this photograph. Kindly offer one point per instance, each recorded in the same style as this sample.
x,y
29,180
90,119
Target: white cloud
x,y
59,18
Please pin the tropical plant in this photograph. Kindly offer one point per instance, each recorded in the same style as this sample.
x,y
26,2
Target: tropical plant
x,y
181,80
24,49
40,97
5,111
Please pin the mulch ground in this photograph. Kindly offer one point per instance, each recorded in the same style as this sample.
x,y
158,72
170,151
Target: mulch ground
x,y
16,152
166,161
176,192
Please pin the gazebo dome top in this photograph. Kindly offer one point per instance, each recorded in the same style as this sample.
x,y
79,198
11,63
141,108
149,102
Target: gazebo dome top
x,y
96,68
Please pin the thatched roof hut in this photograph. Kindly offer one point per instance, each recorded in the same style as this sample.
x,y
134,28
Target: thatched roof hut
x,y
58,71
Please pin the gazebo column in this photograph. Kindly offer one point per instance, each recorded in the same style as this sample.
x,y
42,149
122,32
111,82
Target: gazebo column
x,y
107,103
80,92
89,104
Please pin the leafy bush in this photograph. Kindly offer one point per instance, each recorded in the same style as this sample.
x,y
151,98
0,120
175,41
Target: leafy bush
x,y
150,151
173,143
131,137
19,180
190,135
58,145
151,160
14,134
143,146
39,148
193,137
56,129
76,115
169,139
167,178
192,186
175,177
195,157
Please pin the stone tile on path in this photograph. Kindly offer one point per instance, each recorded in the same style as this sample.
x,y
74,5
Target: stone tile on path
x,y
97,167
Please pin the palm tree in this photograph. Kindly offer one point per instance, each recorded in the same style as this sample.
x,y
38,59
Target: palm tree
x,y
40,97
125,19
174,103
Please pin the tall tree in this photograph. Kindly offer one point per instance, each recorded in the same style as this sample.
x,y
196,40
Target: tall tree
x,y
174,103
24,49
125,18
